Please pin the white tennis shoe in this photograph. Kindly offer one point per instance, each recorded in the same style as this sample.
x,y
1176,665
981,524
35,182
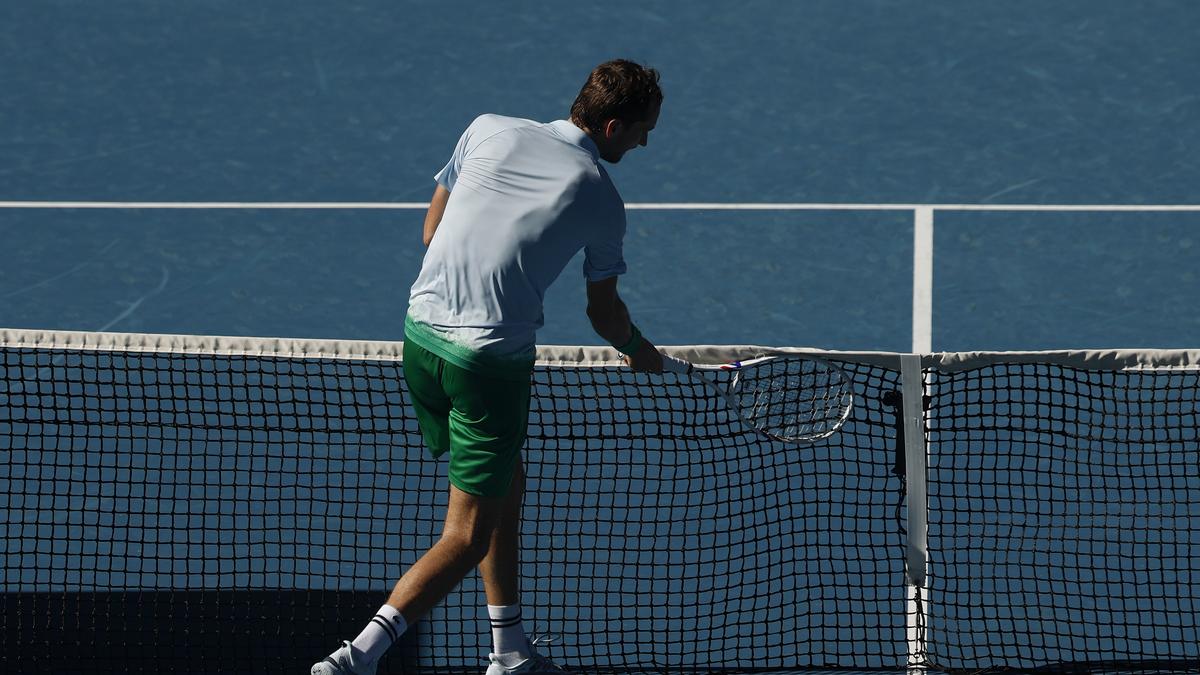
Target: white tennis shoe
x,y
345,661
536,664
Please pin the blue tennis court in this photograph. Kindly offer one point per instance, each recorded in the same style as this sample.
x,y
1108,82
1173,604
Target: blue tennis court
x,y
132,105
869,103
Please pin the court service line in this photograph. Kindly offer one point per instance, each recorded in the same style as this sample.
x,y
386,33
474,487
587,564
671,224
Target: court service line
x,y
922,285
641,206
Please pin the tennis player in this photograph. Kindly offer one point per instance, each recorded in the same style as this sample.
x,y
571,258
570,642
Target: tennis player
x,y
517,200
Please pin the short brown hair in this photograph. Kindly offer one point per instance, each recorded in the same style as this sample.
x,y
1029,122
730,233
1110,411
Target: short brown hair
x,y
619,89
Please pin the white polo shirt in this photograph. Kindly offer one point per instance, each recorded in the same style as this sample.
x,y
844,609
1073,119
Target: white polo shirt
x,y
525,198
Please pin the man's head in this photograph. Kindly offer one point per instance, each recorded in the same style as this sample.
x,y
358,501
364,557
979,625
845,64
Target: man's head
x,y
618,107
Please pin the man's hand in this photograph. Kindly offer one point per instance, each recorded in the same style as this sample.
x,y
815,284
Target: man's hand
x,y
647,359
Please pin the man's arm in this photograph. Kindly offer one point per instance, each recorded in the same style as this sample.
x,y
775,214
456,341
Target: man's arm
x,y
608,314
610,319
433,217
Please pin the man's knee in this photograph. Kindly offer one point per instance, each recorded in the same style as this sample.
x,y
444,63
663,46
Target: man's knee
x,y
470,522
469,544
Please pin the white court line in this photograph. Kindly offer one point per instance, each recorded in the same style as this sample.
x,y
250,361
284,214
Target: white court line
x,y
214,205
922,285
647,206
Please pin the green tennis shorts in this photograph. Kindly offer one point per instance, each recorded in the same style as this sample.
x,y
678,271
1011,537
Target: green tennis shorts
x,y
481,420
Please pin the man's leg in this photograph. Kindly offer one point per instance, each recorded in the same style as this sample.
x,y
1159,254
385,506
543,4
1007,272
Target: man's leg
x,y
466,536
470,525
499,567
501,574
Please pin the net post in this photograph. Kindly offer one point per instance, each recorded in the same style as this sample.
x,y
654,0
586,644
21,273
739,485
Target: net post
x,y
922,309
913,389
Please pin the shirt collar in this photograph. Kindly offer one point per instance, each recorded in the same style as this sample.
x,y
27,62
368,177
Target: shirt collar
x,y
568,130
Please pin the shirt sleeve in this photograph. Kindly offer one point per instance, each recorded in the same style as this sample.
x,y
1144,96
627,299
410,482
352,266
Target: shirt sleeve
x,y
448,176
604,256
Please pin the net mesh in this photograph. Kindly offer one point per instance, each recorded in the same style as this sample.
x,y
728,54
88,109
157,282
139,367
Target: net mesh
x,y
177,511
1064,516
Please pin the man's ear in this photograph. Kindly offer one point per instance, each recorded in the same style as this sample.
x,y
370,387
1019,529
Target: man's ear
x,y
612,128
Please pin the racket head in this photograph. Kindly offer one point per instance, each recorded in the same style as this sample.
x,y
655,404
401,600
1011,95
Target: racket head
x,y
793,399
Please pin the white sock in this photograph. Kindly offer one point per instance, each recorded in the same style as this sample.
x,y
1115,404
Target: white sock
x,y
507,633
385,628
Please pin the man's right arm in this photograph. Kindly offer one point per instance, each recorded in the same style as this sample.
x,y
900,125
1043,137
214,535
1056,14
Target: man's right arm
x,y
433,217
610,319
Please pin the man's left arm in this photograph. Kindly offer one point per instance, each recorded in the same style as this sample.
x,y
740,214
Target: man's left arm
x,y
433,217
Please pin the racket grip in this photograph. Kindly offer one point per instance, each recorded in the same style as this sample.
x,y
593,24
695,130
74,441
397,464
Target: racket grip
x,y
674,365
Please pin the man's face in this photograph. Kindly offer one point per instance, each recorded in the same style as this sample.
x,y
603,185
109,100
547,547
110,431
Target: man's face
x,y
620,138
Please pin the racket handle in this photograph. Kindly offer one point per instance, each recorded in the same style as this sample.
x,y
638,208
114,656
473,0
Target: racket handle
x,y
674,365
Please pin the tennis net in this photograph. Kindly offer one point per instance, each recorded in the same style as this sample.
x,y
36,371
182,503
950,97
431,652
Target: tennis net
x,y
201,505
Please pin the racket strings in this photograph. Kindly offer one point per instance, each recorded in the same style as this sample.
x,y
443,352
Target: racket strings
x,y
793,399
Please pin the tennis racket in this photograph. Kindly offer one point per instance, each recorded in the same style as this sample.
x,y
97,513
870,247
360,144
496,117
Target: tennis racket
x,y
795,399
